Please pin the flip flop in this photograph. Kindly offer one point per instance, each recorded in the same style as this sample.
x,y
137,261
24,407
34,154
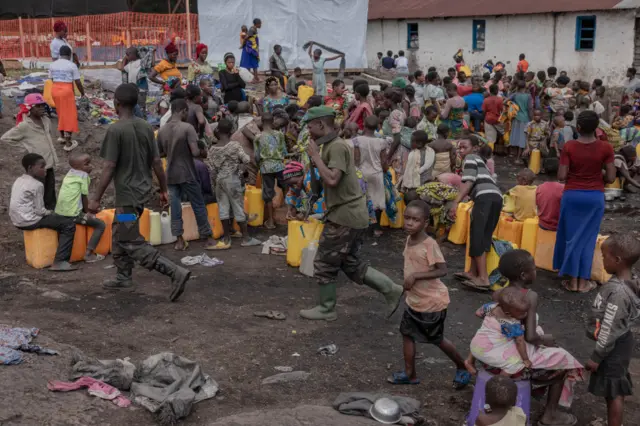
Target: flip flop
x,y
474,286
63,267
590,286
462,276
221,245
462,379
74,145
269,226
97,258
274,315
251,243
401,378
237,235
574,421
565,285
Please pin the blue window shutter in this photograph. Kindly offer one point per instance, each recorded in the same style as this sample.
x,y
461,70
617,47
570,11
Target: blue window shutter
x,y
578,31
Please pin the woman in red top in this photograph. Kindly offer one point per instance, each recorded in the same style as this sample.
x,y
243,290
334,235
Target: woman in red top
x,y
582,208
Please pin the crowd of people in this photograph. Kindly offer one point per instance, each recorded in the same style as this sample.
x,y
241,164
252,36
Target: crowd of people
x,y
351,157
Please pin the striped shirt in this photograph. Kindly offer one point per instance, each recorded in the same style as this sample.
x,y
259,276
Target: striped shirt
x,y
475,170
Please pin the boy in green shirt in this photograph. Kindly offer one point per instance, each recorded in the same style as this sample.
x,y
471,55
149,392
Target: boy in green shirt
x,y
73,203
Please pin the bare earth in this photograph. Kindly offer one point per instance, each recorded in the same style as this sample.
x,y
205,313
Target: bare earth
x,y
213,324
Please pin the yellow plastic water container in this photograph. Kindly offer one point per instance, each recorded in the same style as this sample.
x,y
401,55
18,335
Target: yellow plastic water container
x,y
616,183
144,224
164,164
299,235
530,235
545,245
76,92
510,230
155,233
40,247
189,224
535,161
493,260
598,273
79,244
638,150
104,246
214,220
46,94
460,228
492,145
254,205
508,203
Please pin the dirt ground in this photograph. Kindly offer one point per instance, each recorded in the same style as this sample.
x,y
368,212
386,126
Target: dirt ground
x,y
213,324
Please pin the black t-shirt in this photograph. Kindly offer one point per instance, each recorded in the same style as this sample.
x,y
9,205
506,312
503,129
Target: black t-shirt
x,y
131,146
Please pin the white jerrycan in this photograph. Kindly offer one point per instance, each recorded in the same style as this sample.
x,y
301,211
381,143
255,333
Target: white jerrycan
x,y
165,224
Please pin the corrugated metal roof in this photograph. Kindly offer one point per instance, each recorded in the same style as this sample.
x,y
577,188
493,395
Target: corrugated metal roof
x,y
422,9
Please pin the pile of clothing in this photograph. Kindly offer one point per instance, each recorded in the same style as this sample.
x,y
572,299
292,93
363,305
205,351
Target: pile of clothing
x,y
15,341
166,384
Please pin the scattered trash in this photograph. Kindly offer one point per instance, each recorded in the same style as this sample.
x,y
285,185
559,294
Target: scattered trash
x,y
95,388
274,315
431,360
202,259
275,245
110,266
283,369
286,377
328,350
295,354
14,341
55,294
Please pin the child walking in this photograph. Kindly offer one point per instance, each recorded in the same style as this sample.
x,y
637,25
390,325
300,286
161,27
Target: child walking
x,y
427,298
615,309
270,149
226,160
28,212
73,202
501,394
130,154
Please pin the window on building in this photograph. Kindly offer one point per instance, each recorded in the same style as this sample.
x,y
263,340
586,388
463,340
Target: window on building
x,y
479,27
412,36
585,32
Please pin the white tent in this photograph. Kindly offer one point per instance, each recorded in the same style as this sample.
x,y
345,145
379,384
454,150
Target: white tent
x,y
341,24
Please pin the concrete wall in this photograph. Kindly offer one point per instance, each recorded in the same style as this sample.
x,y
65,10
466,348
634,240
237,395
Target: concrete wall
x,y
545,39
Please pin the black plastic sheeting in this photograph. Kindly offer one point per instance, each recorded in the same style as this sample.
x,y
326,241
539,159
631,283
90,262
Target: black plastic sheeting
x,y
48,8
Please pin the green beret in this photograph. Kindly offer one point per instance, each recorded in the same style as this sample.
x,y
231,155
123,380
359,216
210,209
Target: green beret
x,y
399,82
319,112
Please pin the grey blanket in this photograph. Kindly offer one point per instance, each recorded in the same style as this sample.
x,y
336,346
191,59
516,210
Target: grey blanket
x,y
166,384
359,403
343,61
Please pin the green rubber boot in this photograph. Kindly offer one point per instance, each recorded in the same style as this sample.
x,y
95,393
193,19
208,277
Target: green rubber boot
x,y
391,291
326,309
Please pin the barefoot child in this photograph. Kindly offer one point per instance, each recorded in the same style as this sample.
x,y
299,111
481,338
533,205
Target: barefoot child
x,y
225,159
419,163
427,298
501,395
270,150
73,202
614,311
537,132
28,212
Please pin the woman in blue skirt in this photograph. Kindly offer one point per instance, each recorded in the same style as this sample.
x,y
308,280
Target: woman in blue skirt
x,y
582,208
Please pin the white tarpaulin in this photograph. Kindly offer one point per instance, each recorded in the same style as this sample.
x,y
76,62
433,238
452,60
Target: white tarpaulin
x,y
340,24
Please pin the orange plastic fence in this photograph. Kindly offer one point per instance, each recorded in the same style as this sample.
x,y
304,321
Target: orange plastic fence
x,y
102,37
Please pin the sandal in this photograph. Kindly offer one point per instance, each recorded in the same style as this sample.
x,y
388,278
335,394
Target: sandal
x,y
251,243
221,245
462,379
565,284
274,315
74,145
62,267
270,226
401,378
93,258
472,284
237,235
462,276
186,246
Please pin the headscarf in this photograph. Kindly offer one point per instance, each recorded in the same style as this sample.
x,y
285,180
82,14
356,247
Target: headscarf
x,y
228,55
199,48
29,102
59,26
292,169
171,48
